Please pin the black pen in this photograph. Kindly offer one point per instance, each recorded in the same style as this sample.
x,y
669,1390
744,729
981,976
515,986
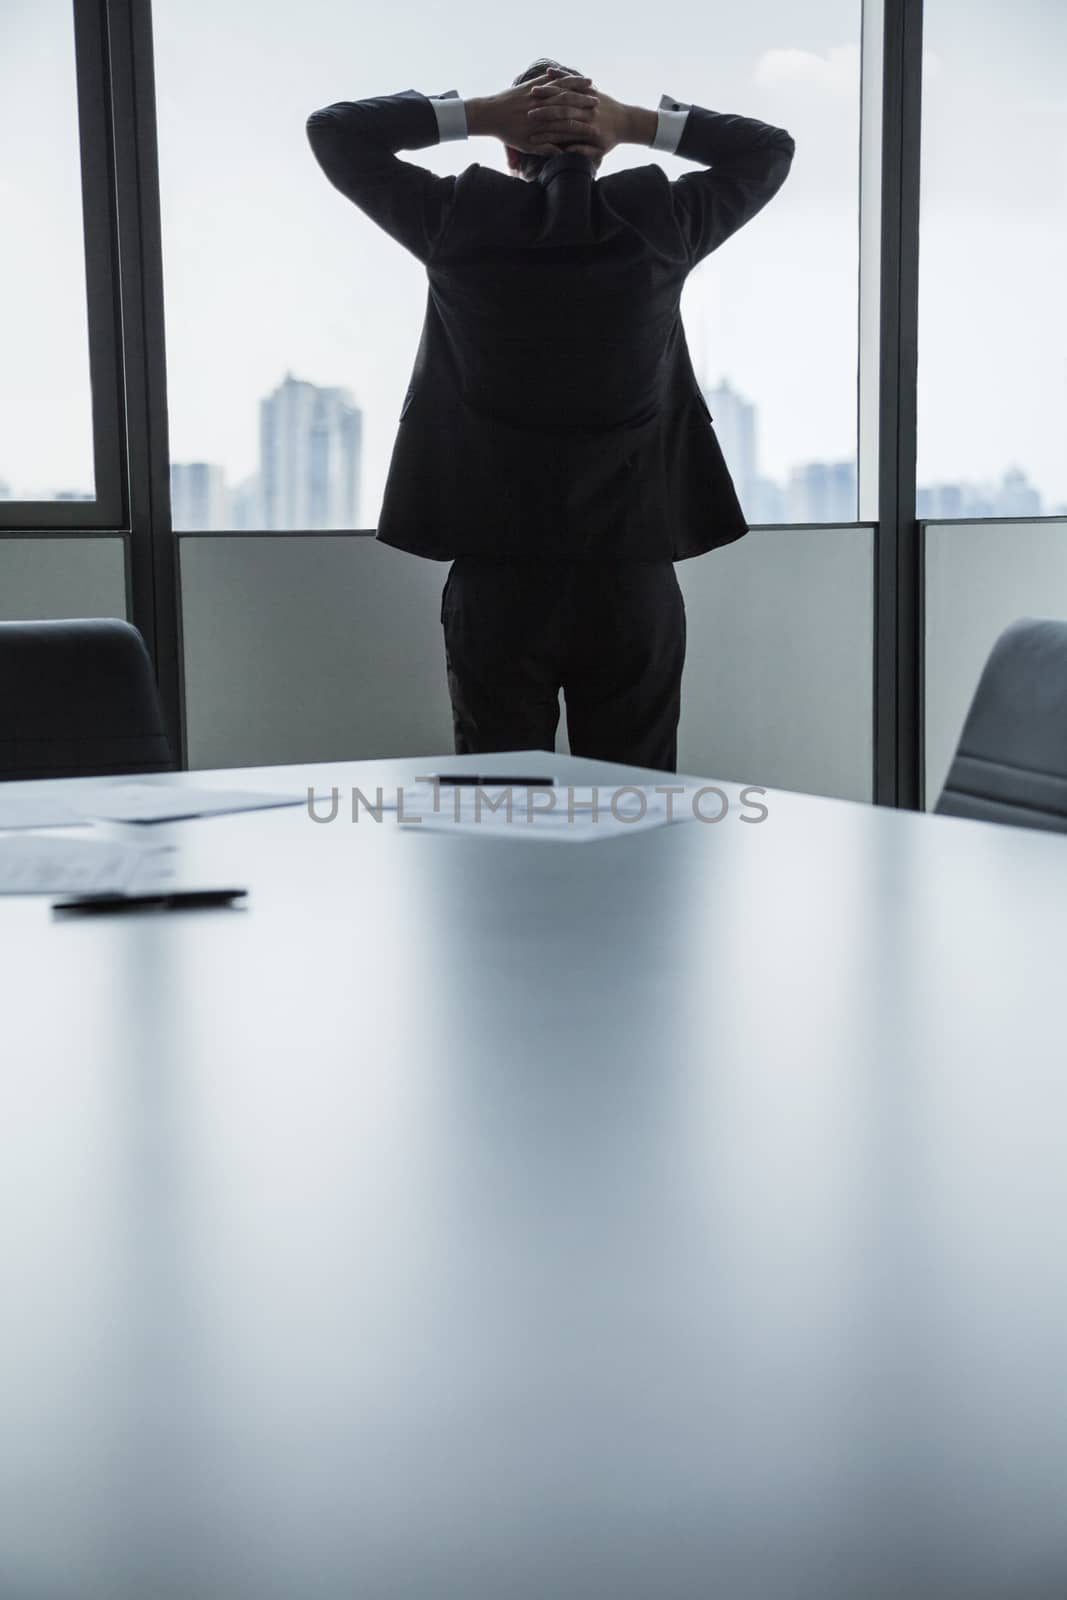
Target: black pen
x,y
490,780
174,900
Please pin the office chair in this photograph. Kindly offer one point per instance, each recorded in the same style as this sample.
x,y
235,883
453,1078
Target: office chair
x,y
78,699
1011,761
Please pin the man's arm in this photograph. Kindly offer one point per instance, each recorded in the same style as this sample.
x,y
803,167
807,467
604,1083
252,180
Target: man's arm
x,y
661,129
355,143
748,162
565,100
606,122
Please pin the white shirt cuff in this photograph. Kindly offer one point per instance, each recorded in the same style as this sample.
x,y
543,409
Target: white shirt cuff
x,y
670,120
451,114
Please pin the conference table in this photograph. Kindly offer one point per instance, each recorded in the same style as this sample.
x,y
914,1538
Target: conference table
x,y
674,1216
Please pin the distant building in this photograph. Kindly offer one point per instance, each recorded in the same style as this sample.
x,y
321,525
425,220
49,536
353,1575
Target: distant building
x,y
1018,497
246,509
198,499
734,421
1015,496
817,491
309,455
764,502
939,500
310,469
821,491
5,489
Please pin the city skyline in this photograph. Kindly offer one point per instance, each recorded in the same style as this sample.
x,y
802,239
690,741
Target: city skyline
x,y
311,438
815,491
267,268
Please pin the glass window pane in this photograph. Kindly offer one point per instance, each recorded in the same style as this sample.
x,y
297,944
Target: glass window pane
x,y
993,260
46,423
293,321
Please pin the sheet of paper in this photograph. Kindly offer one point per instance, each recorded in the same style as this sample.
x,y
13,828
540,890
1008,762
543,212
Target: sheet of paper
x,y
152,802
36,811
33,863
567,814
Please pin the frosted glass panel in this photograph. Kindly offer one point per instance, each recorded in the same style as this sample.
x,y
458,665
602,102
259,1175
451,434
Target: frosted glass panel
x,y
778,678
311,648
329,648
79,577
979,578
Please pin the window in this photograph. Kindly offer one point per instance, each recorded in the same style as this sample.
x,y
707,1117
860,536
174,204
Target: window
x,y
46,426
292,321
992,399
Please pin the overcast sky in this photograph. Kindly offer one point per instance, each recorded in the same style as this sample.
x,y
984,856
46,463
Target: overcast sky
x,y
268,269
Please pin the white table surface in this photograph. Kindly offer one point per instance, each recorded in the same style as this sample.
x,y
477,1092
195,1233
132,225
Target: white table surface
x,y
675,1216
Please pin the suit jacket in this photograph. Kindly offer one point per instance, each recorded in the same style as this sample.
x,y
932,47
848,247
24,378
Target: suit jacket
x,y
553,410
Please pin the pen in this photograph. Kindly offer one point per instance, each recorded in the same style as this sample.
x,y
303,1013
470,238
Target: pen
x,y
176,900
490,780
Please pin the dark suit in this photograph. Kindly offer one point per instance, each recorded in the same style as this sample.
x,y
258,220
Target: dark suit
x,y
553,414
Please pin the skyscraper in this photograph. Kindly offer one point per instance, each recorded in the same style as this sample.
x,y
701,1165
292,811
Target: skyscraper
x,y
1018,497
823,491
765,502
734,421
246,513
939,500
309,454
197,496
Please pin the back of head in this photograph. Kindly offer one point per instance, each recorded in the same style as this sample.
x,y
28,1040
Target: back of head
x,y
529,165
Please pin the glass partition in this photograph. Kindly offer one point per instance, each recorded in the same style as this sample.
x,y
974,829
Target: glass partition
x,y
46,422
292,320
322,647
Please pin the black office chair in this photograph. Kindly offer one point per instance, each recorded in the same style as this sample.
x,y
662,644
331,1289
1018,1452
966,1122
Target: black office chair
x,y
1011,762
78,699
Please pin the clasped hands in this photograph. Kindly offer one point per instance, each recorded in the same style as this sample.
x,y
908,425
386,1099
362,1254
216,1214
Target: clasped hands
x,y
554,112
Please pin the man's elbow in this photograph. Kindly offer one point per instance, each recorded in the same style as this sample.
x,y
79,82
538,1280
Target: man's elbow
x,y
316,121
782,161
325,120
775,165
323,132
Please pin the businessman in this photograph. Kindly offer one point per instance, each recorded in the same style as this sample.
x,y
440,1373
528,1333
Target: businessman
x,y
553,442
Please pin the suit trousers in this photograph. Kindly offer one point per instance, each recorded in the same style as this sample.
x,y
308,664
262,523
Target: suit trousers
x,y
610,634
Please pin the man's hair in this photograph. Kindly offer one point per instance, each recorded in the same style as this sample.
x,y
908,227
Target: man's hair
x,y
529,164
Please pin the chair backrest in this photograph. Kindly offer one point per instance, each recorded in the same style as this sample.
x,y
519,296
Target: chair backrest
x,y
78,698
1011,762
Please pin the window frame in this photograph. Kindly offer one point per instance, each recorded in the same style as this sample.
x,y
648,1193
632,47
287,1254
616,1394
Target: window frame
x,y
106,511
127,358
